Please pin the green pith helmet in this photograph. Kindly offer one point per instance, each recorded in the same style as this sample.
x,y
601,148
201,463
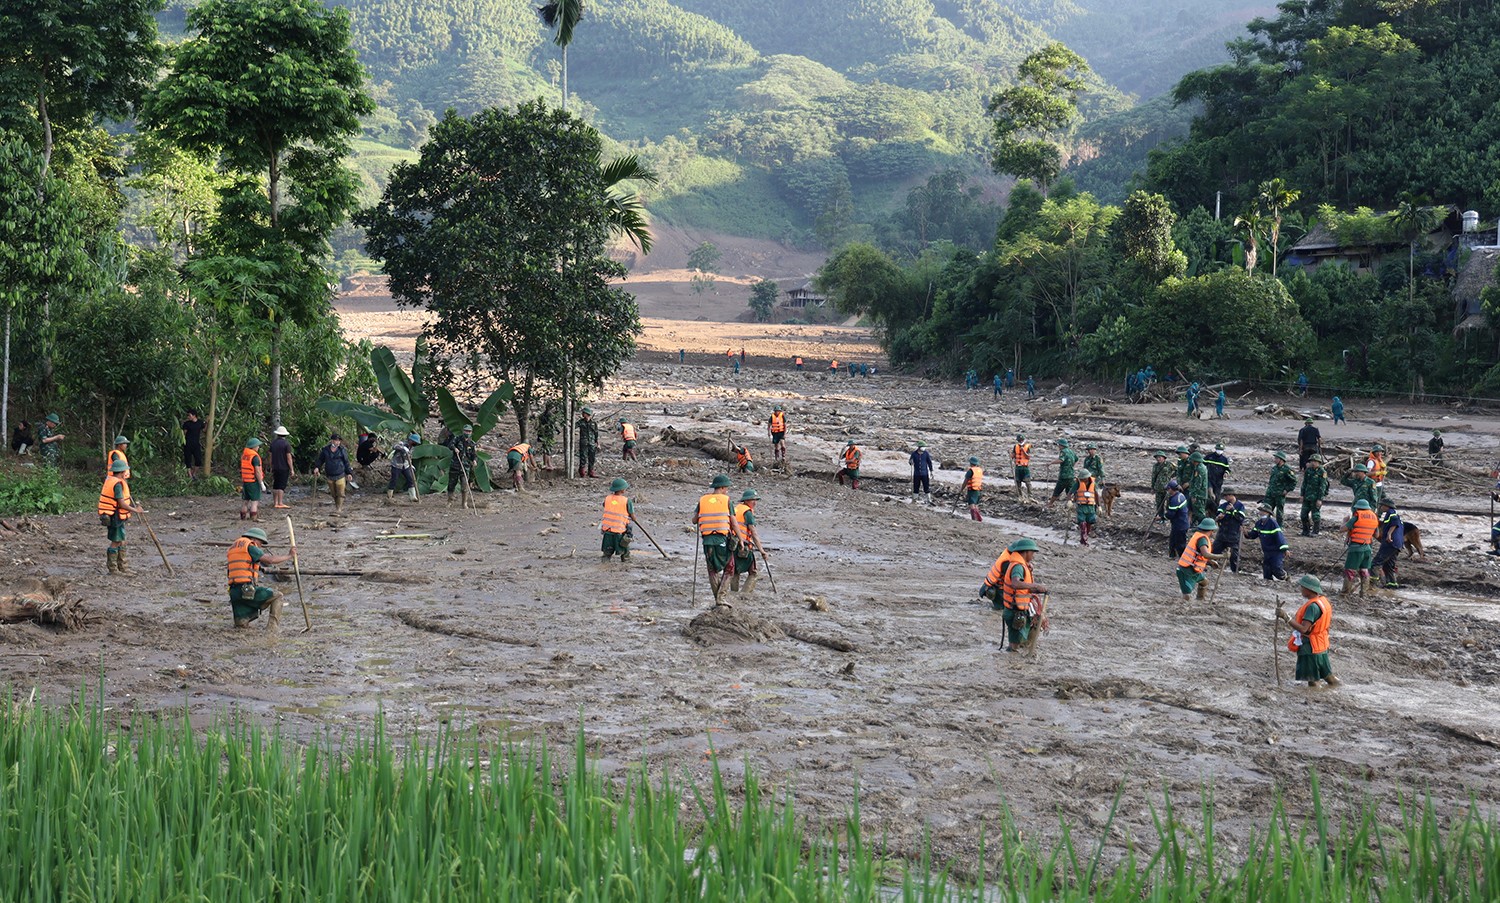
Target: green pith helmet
x,y
973,461
1196,456
618,484
1208,523
256,533
1225,490
53,418
414,439
253,443
1218,446
1307,420
1085,473
750,495
1182,449
721,482
1063,442
1316,459
1437,432
468,428
119,466
1022,545
1308,581
1388,502
1378,448
1020,437
1360,468
1092,446
121,440
1280,456
921,444
851,444
588,411
1362,505
1159,454
776,407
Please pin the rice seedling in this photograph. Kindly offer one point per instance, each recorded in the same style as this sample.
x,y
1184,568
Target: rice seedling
x,y
154,810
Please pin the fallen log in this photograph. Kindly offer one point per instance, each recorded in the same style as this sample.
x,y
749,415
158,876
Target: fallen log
x,y
45,603
817,639
713,446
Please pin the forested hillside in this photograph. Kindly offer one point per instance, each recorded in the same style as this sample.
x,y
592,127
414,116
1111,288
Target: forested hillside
x,y
804,122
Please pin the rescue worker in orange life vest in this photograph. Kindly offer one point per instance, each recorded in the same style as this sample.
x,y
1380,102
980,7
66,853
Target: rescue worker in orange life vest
x,y
614,524
742,458
973,486
517,460
749,543
1020,456
850,458
627,440
1012,585
776,426
1309,637
115,508
247,599
252,480
1195,559
117,454
1086,503
715,523
1360,530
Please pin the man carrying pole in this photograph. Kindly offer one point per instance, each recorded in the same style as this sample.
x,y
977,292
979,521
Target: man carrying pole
x,y
246,598
715,523
465,454
973,488
614,523
1360,530
1314,491
1162,473
1066,481
748,544
1194,560
850,458
115,508
1017,587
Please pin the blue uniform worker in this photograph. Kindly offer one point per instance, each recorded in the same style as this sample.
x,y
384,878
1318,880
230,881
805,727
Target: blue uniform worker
x,y
1273,547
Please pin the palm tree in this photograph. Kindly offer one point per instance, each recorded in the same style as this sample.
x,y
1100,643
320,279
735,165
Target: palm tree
x,y
1254,223
562,17
1276,197
1411,220
627,215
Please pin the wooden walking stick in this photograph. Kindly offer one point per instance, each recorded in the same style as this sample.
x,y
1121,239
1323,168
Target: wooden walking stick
x,y
1276,641
1217,577
297,570
652,541
152,533
696,544
770,576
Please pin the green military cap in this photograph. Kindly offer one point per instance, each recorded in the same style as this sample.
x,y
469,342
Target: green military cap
x,y
1225,490
119,466
1219,446
53,418
1158,454
750,495
776,407
1208,523
1362,505
1360,468
1022,545
1280,455
1091,445
851,442
1063,441
1387,502
1316,459
618,484
973,460
921,444
468,428
1307,420
256,533
1020,437
1196,456
1085,473
121,440
588,410
253,443
721,482
1437,432
1182,449
1308,581
1378,448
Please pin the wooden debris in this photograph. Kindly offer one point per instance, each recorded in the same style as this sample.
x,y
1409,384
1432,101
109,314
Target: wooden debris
x,y
43,602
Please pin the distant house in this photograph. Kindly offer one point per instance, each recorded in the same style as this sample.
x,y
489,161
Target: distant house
x,y
804,296
1478,273
1321,246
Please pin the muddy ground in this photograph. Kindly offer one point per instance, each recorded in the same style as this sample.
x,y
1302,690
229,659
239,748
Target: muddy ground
x,y
505,621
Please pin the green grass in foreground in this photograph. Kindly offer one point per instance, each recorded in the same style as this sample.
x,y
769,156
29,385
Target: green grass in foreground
x,y
158,812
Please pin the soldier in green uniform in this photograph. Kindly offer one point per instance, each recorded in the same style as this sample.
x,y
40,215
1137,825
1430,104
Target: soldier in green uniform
x,y
50,441
1198,488
1314,491
614,523
1184,466
747,544
1093,463
464,454
1363,487
1283,480
588,442
1066,481
1161,473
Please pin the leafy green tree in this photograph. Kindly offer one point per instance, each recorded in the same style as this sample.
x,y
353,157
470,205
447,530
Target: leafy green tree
x,y
1275,198
1252,224
1061,261
1030,114
1225,324
1145,233
861,279
272,89
763,295
562,16
499,229
704,258
1411,220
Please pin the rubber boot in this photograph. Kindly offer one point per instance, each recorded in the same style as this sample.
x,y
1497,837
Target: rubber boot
x,y
591,472
1390,578
1333,681
854,484
750,581
1317,525
1348,581
1202,590
580,470
1083,534
734,582
390,495
449,503
110,563
122,563
974,513
1364,584
273,619
1306,527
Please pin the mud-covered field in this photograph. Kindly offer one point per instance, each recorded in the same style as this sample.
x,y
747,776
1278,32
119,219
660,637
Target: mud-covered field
x,y
503,619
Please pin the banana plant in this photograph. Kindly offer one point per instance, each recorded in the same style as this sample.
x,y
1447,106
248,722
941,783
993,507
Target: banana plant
x,y
483,423
406,413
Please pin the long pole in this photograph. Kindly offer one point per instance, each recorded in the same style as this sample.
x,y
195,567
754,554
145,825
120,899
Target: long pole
x,y
1276,643
769,575
297,570
696,544
152,533
652,541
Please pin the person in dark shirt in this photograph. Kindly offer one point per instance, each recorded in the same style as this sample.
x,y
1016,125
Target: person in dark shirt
x,y
21,439
1309,443
192,444
281,467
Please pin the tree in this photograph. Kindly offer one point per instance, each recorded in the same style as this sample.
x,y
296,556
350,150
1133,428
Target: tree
x,y
1030,113
763,296
272,89
1411,220
704,258
1255,329
1275,197
1253,223
562,16
626,215
862,279
1145,232
69,62
499,229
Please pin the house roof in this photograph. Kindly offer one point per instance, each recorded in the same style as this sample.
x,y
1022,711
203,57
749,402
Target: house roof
x,y
1321,238
1477,275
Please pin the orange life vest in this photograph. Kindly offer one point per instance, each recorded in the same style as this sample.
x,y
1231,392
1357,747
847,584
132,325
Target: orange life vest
x,y
1377,466
1085,494
242,568
742,456
1317,641
109,462
521,447
975,480
740,510
1012,595
833,365
1364,527
108,504
1191,557
627,432
996,575
616,514
248,459
1021,454
851,458
713,515
799,361
778,419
